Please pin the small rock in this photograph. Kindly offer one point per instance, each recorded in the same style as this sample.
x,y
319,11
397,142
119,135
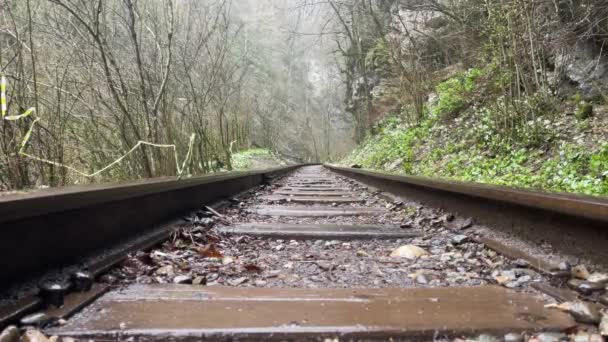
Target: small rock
x,y
409,252
513,337
580,272
238,281
165,270
325,266
279,248
551,337
407,224
459,224
597,277
583,336
422,279
182,279
362,253
200,280
524,279
227,260
564,266
487,338
10,334
34,336
581,311
460,238
604,299
584,287
35,319
604,325
260,283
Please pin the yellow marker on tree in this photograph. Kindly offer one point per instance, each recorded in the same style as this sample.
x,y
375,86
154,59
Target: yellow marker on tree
x,y
3,95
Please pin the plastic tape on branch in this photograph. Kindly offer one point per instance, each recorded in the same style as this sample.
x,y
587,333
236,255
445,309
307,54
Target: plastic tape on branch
x,y
179,169
26,138
21,116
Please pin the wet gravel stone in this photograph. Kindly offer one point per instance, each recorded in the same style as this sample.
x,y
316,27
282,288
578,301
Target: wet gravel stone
x,y
10,334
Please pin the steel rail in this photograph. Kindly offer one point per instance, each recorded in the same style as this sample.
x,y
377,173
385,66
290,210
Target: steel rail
x,y
573,224
57,227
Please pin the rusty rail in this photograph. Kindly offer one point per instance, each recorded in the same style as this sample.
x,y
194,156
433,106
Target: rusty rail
x,y
573,224
57,227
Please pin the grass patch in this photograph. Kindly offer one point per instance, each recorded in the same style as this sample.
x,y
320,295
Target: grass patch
x,y
244,160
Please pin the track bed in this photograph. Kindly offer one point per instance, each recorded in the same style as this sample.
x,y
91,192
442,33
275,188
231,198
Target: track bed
x,y
315,255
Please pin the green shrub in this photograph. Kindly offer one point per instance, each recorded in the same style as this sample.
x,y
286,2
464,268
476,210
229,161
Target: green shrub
x,y
454,93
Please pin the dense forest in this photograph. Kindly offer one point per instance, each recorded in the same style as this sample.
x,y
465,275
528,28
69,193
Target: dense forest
x,y
510,92
124,89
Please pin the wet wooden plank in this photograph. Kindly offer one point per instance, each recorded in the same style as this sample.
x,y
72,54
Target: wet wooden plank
x,y
315,188
185,312
320,231
315,193
313,199
316,211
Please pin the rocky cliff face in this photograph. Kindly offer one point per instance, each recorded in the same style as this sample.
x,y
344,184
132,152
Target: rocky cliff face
x,y
584,70
575,64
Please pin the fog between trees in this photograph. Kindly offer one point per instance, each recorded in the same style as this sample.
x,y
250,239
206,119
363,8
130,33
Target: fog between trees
x,y
106,74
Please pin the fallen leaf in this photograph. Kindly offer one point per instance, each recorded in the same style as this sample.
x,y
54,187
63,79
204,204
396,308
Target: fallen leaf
x,y
34,336
362,253
580,272
502,279
252,268
209,251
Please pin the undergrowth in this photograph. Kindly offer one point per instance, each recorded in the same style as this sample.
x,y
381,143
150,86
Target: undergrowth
x,y
510,143
244,160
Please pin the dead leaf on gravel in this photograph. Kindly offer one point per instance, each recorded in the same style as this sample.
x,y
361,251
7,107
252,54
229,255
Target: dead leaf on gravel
x,y
212,238
580,272
209,251
252,268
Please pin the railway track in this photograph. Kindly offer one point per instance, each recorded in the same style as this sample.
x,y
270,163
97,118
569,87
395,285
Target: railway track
x,y
311,253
